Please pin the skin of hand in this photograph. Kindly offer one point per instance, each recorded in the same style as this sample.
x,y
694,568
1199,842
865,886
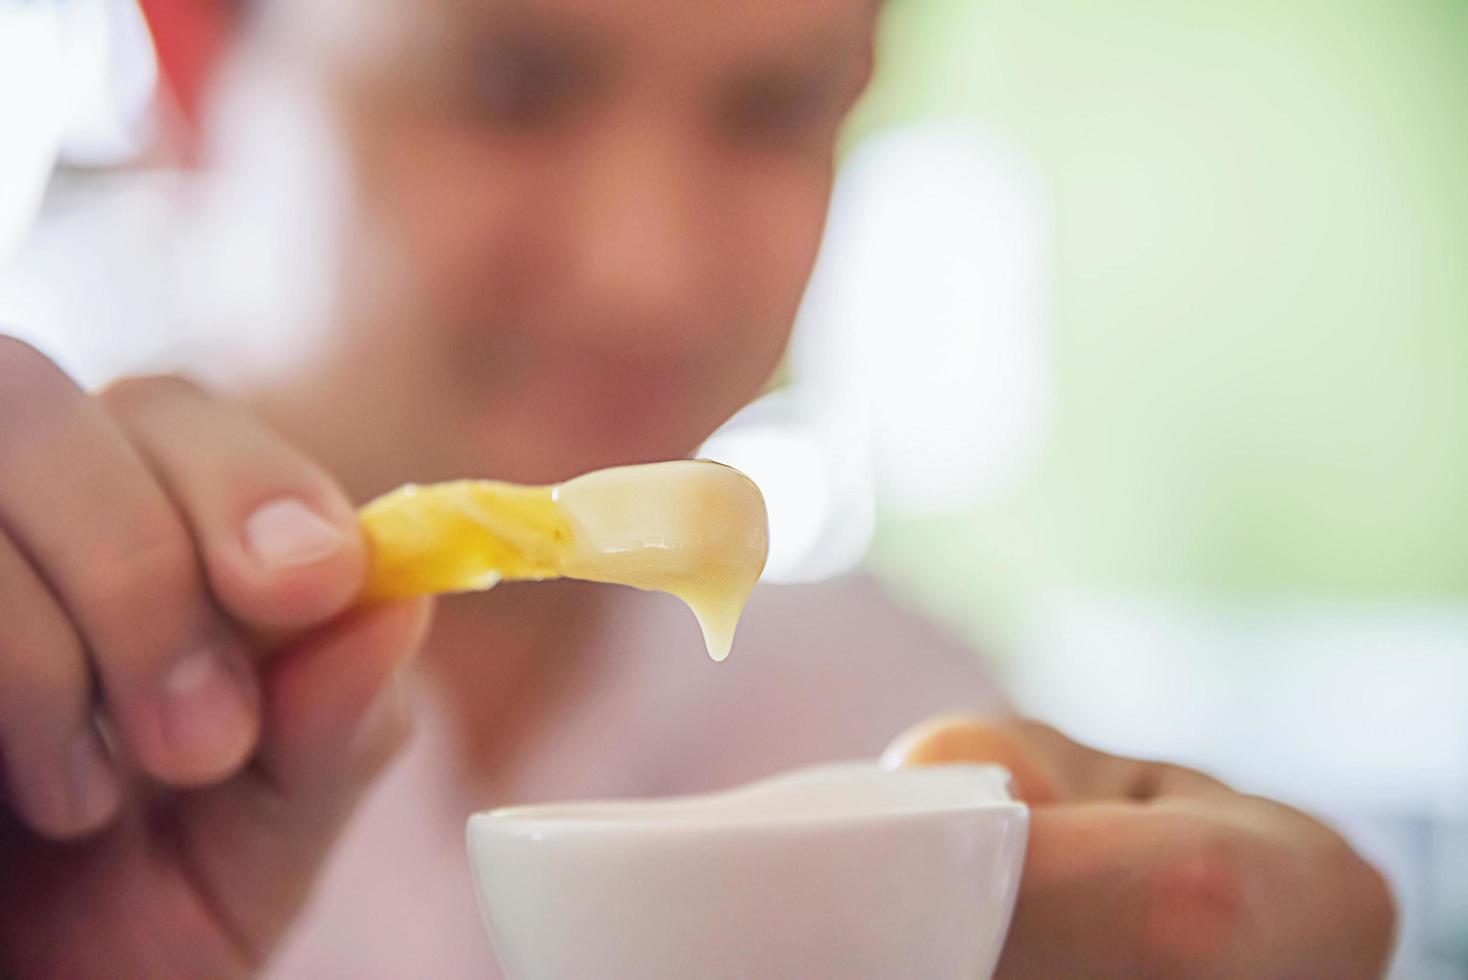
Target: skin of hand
x,y
1142,869
189,703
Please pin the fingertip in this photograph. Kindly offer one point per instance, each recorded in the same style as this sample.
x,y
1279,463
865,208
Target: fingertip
x,y
286,533
200,722
917,743
96,783
295,563
973,738
69,795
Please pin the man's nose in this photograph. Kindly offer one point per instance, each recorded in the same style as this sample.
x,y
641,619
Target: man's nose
x,y
637,225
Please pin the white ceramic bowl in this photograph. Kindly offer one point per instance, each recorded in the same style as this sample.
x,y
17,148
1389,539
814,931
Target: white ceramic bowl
x,y
848,871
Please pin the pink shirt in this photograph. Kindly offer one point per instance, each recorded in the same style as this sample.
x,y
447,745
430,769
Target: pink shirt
x,y
818,673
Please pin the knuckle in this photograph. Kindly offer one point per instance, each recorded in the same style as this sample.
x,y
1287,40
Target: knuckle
x,y
41,684
153,558
43,673
1194,905
25,373
137,395
17,356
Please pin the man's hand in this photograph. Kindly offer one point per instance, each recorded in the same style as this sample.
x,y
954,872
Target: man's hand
x,y
1140,869
188,705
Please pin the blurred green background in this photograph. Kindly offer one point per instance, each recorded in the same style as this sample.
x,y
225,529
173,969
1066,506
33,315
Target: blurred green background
x,y
1261,239
1243,543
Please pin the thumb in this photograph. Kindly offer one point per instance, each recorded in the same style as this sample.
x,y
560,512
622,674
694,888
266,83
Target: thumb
x,y
334,715
336,706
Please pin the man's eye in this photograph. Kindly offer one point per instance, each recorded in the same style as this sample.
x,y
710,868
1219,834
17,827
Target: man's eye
x,y
782,110
522,88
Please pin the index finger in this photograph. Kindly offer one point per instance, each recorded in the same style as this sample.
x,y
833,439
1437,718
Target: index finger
x,y
279,539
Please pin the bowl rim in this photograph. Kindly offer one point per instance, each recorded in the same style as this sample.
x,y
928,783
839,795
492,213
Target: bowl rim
x,y
991,784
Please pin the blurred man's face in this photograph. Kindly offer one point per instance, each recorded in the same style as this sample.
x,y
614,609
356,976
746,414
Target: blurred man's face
x,y
580,228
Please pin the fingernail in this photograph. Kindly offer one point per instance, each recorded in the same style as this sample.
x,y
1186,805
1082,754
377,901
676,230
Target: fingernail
x,y
38,791
95,786
208,716
66,792
285,533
